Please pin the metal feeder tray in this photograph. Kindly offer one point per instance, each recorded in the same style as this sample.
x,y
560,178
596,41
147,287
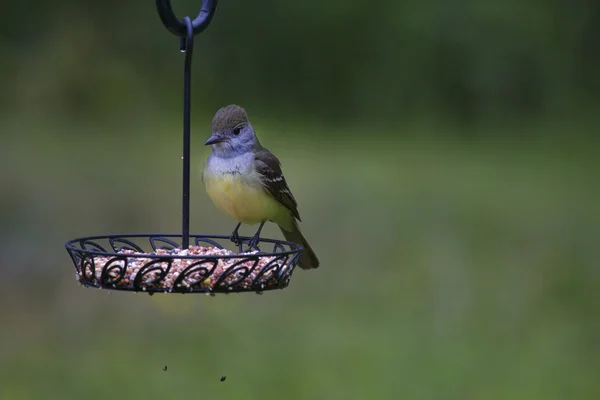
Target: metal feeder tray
x,y
156,263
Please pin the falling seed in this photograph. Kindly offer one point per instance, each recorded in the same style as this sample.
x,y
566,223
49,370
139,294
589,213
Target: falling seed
x,y
164,368
223,377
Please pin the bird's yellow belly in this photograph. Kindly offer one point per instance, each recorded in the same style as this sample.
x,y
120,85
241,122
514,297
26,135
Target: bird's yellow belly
x,y
244,201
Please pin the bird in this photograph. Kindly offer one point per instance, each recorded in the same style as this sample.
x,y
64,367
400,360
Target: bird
x,y
245,181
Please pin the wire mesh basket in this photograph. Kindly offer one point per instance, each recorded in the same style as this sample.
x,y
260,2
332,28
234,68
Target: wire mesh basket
x,y
158,263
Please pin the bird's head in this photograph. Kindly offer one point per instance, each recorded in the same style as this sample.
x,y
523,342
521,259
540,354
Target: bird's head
x,y
232,133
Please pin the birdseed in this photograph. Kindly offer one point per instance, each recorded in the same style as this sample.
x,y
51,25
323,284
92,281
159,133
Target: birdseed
x,y
139,271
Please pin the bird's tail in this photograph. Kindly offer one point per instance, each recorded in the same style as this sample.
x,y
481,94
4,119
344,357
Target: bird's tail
x,y
308,258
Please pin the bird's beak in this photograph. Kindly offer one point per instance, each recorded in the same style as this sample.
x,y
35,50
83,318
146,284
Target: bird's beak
x,y
214,139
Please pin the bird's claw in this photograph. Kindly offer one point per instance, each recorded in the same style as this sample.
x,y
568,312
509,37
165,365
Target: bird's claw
x,y
235,238
253,243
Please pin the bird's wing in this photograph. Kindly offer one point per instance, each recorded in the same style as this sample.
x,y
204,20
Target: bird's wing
x,y
269,168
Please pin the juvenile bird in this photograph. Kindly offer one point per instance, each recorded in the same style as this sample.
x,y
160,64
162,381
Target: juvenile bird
x,y
245,181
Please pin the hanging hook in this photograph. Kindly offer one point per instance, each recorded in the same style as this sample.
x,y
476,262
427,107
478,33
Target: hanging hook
x,y
177,26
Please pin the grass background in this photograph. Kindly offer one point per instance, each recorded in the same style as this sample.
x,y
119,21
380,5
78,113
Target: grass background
x,y
451,268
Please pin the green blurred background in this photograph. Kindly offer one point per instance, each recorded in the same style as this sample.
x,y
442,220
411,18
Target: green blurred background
x,y
443,153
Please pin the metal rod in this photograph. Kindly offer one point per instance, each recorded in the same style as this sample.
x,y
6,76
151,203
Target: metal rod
x,y
186,29
188,47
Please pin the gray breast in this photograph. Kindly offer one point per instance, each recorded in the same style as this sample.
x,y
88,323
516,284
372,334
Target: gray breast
x,y
242,164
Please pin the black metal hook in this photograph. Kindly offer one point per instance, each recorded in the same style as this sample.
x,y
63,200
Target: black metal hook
x,y
177,26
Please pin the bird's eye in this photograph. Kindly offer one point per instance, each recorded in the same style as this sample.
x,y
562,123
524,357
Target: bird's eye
x,y
236,131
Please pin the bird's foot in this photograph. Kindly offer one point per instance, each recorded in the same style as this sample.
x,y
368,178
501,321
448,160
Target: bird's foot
x,y
253,243
235,237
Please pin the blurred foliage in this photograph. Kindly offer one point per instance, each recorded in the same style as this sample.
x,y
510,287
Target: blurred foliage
x,y
443,154
334,61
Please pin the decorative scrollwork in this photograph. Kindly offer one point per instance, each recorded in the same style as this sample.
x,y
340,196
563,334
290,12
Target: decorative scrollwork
x,y
114,270
237,273
274,269
169,244
129,245
152,273
87,267
195,275
157,263
86,242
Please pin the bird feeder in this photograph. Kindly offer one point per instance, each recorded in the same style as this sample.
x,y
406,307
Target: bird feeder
x,y
168,263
